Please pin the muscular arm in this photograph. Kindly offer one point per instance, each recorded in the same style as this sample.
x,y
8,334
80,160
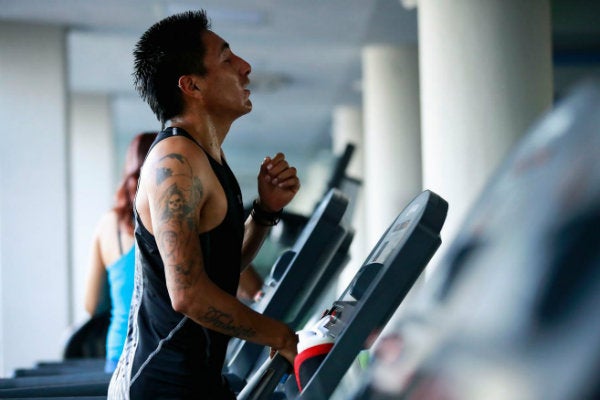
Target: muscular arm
x,y
176,197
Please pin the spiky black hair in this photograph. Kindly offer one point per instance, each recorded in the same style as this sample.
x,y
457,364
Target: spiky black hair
x,y
167,50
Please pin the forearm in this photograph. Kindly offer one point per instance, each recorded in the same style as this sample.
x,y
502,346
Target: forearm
x,y
254,237
217,310
257,227
251,284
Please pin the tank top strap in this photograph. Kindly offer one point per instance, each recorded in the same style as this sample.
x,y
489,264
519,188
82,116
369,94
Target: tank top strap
x,y
175,131
119,239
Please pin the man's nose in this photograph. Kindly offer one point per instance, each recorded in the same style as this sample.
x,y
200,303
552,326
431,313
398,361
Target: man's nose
x,y
245,67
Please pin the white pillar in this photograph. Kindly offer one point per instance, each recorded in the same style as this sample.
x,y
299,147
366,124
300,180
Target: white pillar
x,y
486,75
347,127
92,183
34,297
392,134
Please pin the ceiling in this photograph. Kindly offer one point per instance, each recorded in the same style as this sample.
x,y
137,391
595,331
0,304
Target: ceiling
x,y
305,54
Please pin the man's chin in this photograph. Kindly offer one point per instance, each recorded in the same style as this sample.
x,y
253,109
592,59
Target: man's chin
x,y
245,109
248,107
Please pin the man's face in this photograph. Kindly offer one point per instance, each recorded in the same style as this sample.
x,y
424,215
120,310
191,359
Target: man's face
x,y
223,87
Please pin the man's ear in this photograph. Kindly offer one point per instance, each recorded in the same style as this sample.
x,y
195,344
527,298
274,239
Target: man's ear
x,y
188,85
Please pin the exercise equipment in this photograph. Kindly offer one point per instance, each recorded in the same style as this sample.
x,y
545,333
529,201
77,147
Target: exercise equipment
x,y
89,340
364,308
296,279
512,310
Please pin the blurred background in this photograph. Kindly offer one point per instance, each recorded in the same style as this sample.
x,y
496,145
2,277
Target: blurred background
x,y
69,110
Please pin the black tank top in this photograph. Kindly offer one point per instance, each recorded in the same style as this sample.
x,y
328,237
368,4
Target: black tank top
x,y
168,354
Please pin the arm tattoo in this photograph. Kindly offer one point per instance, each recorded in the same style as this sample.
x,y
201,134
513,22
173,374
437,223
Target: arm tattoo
x,y
224,321
180,199
174,205
167,163
170,243
184,278
178,208
182,269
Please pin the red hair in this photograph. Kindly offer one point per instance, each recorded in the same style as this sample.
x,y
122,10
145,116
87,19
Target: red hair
x,y
136,154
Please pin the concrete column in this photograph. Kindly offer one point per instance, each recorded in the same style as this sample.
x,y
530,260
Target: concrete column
x,y
392,134
34,264
347,127
486,75
92,183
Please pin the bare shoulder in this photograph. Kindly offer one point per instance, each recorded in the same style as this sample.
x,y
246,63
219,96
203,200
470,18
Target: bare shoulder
x,y
107,238
176,182
107,224
174,158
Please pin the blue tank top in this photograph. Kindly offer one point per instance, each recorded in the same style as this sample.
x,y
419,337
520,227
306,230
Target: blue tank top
x,y
167,355
120,278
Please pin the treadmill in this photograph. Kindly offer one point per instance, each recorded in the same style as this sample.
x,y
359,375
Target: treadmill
x,y
368,302
296,278
512,311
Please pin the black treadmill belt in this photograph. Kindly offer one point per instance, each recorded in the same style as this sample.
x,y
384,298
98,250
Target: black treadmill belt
x,y
13,383
64,390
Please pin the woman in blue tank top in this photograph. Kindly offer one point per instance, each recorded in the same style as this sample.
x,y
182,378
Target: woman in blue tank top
x,y
113,253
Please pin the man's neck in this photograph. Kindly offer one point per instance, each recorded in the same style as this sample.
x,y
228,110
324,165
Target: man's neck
x,y
209,133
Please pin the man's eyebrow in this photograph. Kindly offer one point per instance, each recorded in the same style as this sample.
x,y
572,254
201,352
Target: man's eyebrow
x,y
224,46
